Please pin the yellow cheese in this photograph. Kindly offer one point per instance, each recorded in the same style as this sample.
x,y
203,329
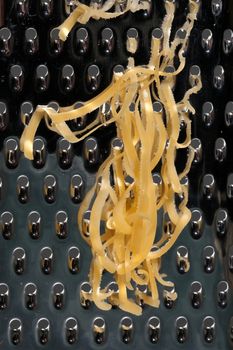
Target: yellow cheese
x,y
129,248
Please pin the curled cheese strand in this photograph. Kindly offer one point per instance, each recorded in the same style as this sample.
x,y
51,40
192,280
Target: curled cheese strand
x,y
128,246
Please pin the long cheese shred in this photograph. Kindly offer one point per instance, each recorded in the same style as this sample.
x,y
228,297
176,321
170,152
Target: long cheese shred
x,y
123,232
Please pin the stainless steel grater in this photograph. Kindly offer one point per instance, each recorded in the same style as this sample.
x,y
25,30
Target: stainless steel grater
x,y
44,263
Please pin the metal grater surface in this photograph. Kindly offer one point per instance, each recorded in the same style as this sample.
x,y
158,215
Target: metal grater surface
x,y
43,259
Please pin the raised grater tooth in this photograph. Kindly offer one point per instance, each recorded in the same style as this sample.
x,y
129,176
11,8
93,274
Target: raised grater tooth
x,y
126,329
26,111
76,188
181,34
193,75
209,329
99,330
85,295
65,153
70,6
168,300
216,6
208,186
31,45
208,113
229,113
120,5
56,45
19,257
15,331
184,182
4,296
34,224
16,78
209,258
105,111
167,224
220,149
62,224
229,189
42,78
181,329
107,41
157,107
118,70
117,145
71,330
227,41
194,72
219,77
230,258
86,223
58,295
140,292
148,12
54,105
132,40
196,224
30,296
222,293
78,123
23,189
4,116
221,222
157,180
7,225
43,331
67,78
46,260
21,8
96,3
182,259
197,146
93,77
157,33
11,152
74,260
207,40
82,41
6,41
154,329
50,188
46,7
196,294
113,298
91,151
39,153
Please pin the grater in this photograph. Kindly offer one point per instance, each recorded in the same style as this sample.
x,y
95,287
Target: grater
x,y
44,262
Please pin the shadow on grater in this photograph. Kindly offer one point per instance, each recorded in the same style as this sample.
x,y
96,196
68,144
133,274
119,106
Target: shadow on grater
x,y
44,293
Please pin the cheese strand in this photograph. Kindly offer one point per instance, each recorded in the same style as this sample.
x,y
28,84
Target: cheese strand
x,y
123,232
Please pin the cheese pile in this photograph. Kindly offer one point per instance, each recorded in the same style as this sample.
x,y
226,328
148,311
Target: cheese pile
x,y
122,230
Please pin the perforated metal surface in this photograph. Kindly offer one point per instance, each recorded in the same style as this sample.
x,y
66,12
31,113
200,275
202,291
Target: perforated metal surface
x,y
40,287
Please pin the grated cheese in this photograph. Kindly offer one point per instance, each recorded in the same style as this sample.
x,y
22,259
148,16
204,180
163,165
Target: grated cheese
x,y
129,248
